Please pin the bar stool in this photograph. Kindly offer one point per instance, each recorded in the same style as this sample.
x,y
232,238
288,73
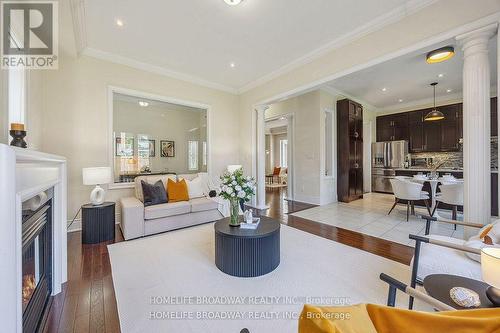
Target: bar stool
x,y
409,191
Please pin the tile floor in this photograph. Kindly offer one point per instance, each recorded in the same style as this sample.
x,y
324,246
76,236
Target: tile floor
x,y
369,216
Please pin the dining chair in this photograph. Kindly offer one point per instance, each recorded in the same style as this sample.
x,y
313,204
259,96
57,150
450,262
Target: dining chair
x,y
406,190
451,194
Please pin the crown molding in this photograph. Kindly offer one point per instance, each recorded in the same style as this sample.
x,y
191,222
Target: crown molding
x,y
336,92
428,102
111,57
79,27
378,23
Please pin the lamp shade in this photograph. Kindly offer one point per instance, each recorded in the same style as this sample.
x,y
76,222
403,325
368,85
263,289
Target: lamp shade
x,y
96,176
490,266
233,168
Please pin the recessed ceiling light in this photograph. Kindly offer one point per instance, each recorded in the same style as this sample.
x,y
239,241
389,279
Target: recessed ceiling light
x,y
119,22
441,54
233,2
282,118
232,65
384,89
143,104
400,100
449,90
440,75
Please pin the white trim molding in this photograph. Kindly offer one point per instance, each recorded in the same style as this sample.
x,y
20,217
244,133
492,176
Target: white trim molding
x,y
117,59
378,23
141,94
79,25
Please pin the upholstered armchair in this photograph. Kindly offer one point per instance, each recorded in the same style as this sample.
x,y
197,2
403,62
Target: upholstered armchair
x,y
435,254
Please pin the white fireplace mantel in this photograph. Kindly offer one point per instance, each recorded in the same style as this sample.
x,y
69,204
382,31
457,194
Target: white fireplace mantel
x,y
23,174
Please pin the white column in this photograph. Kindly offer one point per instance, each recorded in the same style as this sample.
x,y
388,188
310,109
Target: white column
x,y
476,123
291,158
261,157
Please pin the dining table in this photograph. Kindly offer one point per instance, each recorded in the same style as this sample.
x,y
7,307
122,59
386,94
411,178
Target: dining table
x,y
434,182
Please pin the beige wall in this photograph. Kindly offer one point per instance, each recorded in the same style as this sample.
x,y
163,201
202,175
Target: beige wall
x,y
34,109
437,18
76,118
306,112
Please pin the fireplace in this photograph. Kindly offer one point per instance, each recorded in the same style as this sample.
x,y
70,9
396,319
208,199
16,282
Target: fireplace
x,y
36,279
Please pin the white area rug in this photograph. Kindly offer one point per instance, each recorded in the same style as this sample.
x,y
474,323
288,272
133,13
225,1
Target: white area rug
x,y
181,263
369,216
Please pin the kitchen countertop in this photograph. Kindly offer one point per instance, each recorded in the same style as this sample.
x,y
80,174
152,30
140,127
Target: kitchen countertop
x,y
438,170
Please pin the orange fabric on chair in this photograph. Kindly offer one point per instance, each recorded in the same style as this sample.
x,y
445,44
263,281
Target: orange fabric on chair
x,y
177,191
371,318
276,171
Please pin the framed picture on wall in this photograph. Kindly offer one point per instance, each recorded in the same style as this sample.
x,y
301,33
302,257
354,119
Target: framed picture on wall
x,y
124,146
152,148
167,148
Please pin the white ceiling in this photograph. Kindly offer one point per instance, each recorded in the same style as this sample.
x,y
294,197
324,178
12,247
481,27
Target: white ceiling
x,y
200,38
408,78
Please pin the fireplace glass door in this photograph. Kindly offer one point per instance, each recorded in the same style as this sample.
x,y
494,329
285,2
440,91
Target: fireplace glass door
x,y
36,277
33,268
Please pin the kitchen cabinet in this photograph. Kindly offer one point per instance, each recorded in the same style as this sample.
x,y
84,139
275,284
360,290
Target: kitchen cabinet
x,y
434,136
416,132
392,127
350,150
494,117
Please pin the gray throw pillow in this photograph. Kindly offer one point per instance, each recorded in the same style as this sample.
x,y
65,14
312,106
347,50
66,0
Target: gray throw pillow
x,y
154,194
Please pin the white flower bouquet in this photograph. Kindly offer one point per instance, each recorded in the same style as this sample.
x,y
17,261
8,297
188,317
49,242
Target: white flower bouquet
x,y
236,187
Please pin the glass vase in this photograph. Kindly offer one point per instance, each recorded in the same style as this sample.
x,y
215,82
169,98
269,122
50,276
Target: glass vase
x,y
235,212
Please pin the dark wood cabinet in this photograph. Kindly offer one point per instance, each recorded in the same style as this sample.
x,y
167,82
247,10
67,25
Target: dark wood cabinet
x,y
392,127
350,150
494,117
416,132
385,130
434,136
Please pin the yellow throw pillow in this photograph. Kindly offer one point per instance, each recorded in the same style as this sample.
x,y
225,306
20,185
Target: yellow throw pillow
x,y
177,191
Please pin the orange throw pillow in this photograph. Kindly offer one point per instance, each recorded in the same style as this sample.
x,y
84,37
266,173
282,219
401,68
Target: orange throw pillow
x,y
276,171
177,191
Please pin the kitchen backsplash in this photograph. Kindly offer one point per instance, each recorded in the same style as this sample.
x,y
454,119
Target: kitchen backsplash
x,y
455,159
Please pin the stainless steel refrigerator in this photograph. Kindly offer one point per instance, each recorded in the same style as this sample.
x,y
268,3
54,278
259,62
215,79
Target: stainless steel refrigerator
x,y
386,157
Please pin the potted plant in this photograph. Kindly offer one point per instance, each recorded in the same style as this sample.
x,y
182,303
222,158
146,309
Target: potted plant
x,y
236,187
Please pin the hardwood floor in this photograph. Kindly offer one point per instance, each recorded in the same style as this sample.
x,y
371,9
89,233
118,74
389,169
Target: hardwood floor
x,y
87,302
280,208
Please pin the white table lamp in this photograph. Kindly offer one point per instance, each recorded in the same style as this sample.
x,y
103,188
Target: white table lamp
x,y
490,266
233,168
96,176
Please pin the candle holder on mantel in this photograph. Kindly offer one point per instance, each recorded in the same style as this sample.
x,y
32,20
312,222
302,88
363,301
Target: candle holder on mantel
x,y
17,133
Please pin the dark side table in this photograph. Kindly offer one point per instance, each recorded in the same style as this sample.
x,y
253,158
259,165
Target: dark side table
x,y
98,223
438,286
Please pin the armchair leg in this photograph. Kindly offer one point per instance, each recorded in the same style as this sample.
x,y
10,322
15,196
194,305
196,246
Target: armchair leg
x,y
395,203
414,271
412,207
407,210
427,206
454,215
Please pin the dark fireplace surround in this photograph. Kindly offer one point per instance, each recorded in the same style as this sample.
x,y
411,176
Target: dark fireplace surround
x,y
36,266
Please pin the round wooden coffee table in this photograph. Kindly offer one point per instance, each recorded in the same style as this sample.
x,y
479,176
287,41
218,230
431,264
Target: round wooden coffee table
x,y
439,285
247,252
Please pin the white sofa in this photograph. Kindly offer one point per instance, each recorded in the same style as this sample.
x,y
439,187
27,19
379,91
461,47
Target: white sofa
x,y
138,221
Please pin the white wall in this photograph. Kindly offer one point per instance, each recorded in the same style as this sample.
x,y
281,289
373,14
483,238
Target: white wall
x,y
76,119
276,148
160,122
